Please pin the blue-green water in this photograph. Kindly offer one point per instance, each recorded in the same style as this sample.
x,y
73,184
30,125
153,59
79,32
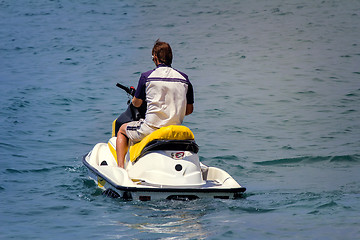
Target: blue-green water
x,y
277,92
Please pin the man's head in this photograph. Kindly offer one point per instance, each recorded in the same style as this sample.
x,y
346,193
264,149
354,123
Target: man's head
x,y
162,52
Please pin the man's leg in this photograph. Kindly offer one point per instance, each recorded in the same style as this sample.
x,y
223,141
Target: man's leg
x,y
122,143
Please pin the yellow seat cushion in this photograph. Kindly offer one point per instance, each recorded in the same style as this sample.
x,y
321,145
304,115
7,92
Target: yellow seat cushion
x,y
172,132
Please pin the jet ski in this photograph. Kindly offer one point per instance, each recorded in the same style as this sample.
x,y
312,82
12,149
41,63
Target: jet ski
x,y
164,165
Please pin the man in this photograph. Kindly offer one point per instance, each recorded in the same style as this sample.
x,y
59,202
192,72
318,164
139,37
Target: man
x,y
169,97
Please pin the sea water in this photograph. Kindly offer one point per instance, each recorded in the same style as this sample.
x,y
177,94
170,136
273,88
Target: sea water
x,y
277,92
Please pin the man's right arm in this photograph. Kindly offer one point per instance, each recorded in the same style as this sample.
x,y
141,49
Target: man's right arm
x,y
189,109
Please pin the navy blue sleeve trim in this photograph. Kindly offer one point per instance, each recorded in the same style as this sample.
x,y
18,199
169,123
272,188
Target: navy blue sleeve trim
x,y
190,94
140,90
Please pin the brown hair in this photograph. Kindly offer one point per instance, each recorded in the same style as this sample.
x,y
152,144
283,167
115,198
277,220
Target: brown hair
x,y
162,51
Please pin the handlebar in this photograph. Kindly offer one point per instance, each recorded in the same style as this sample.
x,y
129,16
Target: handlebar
x,y
130,91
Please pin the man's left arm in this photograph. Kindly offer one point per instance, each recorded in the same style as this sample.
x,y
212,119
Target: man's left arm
x,y
137,102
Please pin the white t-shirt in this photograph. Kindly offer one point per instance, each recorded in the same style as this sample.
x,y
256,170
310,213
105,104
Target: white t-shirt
x,y
166,92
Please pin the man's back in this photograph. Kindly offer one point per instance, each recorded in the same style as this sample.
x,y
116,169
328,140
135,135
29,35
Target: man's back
x,y
166,96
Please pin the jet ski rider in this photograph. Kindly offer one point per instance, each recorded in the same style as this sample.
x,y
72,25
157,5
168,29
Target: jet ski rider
x,y
169,96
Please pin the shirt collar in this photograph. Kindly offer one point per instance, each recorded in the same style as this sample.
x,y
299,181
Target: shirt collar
x,y
163,65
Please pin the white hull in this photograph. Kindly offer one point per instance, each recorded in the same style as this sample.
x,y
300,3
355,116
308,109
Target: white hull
x,y
157,176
